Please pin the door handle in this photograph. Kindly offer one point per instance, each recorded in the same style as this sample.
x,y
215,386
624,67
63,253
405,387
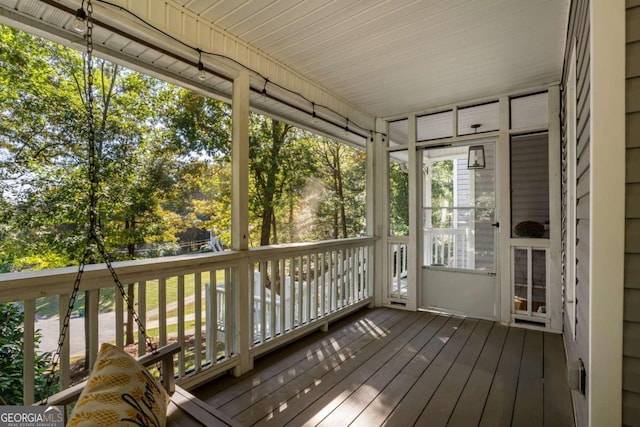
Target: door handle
x,y
496,224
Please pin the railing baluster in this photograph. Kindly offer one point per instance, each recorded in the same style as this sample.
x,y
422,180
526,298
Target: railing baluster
x,y
142,315
316,281
162,311
300,291
529,280
333,283
211,302
65,371
282,296
252,305
228,313
28,370
263,301
306,280
181,320
197,308
292,296
322,283
272,263
119,317
92,311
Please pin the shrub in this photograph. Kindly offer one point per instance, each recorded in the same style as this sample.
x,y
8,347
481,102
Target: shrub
x,y
12,358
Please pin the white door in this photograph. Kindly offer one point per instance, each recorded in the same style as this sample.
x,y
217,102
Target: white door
x,y
459,224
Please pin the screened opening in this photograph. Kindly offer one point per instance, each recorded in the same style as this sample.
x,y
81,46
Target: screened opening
x,y
399,132
398,193
530,111
478,119
458,209
530,186
434,126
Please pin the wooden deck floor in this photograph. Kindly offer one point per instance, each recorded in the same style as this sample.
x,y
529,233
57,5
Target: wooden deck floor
x,y
397,368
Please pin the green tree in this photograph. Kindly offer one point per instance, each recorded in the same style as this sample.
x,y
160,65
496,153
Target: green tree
x,y
341,211
398,200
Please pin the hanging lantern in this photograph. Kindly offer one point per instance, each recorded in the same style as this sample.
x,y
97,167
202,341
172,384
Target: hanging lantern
x,y
476,157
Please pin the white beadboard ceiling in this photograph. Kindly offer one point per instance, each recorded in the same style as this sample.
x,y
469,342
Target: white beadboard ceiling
x,y
395,56
371,58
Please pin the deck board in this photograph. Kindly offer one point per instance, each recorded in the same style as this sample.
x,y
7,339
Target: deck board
x,y
468,409
366,392
379,409
529,395
303,404
498,409
323,359
399,368
440,407
411,406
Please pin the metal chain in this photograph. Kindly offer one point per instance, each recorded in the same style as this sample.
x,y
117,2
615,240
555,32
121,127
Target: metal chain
x,y
94,235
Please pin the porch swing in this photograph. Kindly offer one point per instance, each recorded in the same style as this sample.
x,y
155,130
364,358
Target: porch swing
x,y
119,390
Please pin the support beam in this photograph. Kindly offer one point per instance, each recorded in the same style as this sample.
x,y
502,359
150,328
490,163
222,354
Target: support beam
x,y
607,192
377,198
240,219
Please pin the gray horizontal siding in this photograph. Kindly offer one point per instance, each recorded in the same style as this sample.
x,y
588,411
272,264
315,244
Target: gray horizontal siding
x,y
631,330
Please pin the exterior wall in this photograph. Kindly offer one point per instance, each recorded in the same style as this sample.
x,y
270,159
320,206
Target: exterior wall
x,y
578,348
631,348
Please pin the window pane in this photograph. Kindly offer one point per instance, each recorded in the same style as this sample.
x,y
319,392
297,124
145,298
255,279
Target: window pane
x,y
434,126
530,186
530,111
399,132
486,115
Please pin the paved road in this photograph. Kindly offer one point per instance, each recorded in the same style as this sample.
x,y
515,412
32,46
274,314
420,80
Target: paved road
x,y
49,328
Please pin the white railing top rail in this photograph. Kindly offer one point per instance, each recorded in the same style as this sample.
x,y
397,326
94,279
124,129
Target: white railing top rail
x,y
59,281
282,251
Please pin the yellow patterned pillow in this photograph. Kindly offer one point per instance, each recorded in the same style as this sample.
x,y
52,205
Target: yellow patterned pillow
x,y
120,392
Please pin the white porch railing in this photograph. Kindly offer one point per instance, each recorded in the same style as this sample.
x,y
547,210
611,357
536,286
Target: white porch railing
x,y
398,263
315,283
449,247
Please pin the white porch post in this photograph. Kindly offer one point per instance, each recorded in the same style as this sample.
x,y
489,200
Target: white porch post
x,y
555,287
240,217
414,264
378,209
503,200
373,274
607,192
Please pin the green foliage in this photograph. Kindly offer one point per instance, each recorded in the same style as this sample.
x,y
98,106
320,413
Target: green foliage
x,y
398,200
12,358
442,193
164,165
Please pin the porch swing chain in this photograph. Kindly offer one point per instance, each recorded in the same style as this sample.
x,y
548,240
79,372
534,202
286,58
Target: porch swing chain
x,y
94,237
